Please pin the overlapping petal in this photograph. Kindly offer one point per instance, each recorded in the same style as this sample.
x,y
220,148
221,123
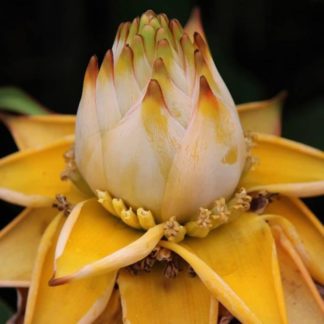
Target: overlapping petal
x,y
237,257
88,138
37,131
32,177
78,301
303,302
19,243
93,242
213,142
309,229
285,166
181,300
142,147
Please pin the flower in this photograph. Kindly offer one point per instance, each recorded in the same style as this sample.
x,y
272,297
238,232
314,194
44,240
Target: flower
x,y
229,230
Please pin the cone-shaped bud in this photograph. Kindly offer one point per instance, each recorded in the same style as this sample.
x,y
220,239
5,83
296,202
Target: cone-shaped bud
x,y
156,125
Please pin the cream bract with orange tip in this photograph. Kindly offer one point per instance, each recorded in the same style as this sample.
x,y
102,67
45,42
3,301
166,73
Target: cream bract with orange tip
x,y
156,122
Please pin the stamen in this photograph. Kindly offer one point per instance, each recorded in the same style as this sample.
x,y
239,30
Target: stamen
x,y
241,201
70,165
72,173
105,200
130,218
119,206
173,231
251,160
145,218
63,205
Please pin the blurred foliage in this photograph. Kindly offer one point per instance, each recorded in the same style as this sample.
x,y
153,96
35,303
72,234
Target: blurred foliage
x,y
15,100
5,312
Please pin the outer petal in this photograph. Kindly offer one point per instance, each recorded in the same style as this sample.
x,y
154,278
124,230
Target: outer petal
x,y
93,242
88,148
37,131
139,151
181,300
79,301
18,245
209,163
303,302
243,255
32,177
309,229
262,116
285,166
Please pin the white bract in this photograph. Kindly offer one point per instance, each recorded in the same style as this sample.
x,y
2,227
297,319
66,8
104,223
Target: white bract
x,y
156,125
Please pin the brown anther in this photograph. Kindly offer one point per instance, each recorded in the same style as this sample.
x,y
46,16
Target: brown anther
x,y
63,205
191,272
162,254
261,200
171,269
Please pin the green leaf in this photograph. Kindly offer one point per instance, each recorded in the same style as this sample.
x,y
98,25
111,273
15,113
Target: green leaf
x,y
5,312
16,100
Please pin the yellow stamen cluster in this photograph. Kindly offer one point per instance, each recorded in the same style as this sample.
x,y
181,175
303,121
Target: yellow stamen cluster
x,y
139,219
220,213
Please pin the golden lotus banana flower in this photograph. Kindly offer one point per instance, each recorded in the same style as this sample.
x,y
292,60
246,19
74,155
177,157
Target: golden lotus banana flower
x,y
170,204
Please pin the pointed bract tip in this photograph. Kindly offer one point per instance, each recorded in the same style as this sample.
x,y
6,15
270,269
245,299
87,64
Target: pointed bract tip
x,y
158,65
194,23
91,71
154,91
204,88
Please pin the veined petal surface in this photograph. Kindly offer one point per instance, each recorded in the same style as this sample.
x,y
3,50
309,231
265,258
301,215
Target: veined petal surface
x,y
19,242
80,301
179,300
37,131
310,230
243,255
303,302
286,167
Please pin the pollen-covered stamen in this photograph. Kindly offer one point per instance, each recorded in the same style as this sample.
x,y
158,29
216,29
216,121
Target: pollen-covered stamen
x,y
201,226
70,165
261,200
173,231
204,218
251,160
241,201
72,173
63,205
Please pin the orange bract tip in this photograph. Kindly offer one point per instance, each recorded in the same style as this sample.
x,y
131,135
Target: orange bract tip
x,y
154,91
92,71
205,90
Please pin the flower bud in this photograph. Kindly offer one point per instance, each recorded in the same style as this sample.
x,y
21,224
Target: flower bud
x,y
156,125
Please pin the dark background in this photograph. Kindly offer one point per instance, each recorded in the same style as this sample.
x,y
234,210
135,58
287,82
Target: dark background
x,y
260,48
